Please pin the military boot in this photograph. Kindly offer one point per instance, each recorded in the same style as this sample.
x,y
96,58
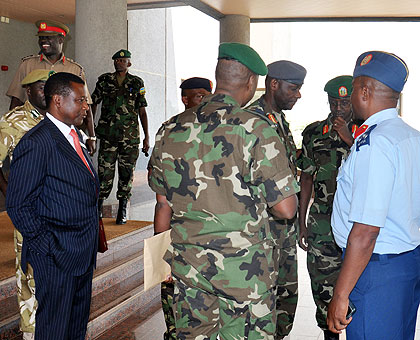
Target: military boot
x,y
122,212
328,335
100,204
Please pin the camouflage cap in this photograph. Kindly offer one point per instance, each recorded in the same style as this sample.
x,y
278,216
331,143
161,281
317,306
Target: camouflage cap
x,y
121,54
339,87
36,75
196,83
288,71
245,55
50,27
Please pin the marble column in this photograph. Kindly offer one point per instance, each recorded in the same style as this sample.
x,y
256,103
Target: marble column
x,y
101,30
235,28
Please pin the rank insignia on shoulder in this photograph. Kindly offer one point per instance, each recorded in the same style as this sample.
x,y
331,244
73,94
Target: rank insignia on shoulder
x,y
365,138
325,129
272,118
142,91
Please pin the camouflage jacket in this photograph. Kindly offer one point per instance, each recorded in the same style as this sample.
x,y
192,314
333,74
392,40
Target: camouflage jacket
x,y
322,153
284,231
278,120
13,125
120,107
220,168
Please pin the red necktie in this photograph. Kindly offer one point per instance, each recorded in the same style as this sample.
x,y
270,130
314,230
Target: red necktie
x,y
79,148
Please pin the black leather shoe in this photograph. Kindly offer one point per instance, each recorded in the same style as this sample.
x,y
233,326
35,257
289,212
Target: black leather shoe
x,y
100,204
122,212
328,335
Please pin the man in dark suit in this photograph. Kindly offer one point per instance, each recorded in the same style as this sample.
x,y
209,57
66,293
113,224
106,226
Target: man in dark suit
x,y
52,200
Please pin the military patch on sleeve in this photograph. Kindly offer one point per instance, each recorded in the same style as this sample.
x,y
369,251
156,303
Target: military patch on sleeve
x,y
365,138
142,91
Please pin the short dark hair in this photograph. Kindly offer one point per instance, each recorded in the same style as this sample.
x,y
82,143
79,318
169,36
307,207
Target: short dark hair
x,y
59,83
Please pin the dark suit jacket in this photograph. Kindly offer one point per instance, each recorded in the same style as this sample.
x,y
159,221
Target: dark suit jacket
x,y
52,199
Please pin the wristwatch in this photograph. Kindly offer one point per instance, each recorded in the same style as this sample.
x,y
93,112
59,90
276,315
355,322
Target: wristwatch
x,y
92,138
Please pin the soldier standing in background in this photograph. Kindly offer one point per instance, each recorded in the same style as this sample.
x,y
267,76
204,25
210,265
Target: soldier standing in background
x,y
325,144
51,35
219,168
282,90
123,102
13,125
193,90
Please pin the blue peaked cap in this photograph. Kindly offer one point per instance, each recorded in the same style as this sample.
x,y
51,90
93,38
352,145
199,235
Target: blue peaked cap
x,y
385,67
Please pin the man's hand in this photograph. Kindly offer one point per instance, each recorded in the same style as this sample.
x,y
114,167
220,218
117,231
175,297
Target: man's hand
x,y
91,146
303,236
145,148
340,125
337,311
169,279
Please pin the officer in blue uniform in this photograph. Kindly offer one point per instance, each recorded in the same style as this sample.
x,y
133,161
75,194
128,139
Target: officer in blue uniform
x,y
376,211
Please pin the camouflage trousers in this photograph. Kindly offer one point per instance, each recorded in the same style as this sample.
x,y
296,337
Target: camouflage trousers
x,y
25,289
287,289
167,295
109,153
203,316
324,263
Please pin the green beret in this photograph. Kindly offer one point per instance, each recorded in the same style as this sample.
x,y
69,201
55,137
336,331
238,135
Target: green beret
x,y
245,55
339,87
121,54
36,75
50,27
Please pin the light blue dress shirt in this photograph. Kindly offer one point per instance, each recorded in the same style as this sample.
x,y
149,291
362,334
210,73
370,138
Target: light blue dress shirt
x,y
379,185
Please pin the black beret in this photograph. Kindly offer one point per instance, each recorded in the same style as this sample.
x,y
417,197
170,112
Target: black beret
x,y
197,83
287,71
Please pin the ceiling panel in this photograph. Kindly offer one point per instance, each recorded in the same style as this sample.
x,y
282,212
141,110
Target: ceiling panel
x,y
31,10
318,8
63,10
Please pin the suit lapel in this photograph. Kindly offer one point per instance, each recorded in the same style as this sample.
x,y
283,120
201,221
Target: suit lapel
x,y
65,147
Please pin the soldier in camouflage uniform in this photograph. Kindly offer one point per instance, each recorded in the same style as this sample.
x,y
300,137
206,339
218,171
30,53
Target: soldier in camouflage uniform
x,y
325,144
123,102
283,84
193,90
219,168
13,125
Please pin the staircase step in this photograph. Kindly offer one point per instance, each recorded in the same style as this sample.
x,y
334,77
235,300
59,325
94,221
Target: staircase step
x,y
136,300
109,287
117,287
134,326
123,246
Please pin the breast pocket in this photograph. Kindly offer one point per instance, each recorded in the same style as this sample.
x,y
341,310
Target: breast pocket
x,y
326,161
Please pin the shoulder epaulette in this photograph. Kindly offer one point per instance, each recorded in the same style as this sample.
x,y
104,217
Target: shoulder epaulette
x,y
311,126
30,56
73,62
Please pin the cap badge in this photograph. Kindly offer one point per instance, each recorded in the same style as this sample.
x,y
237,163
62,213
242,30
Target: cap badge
x,y
122,54
366,60
42,26
342,91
